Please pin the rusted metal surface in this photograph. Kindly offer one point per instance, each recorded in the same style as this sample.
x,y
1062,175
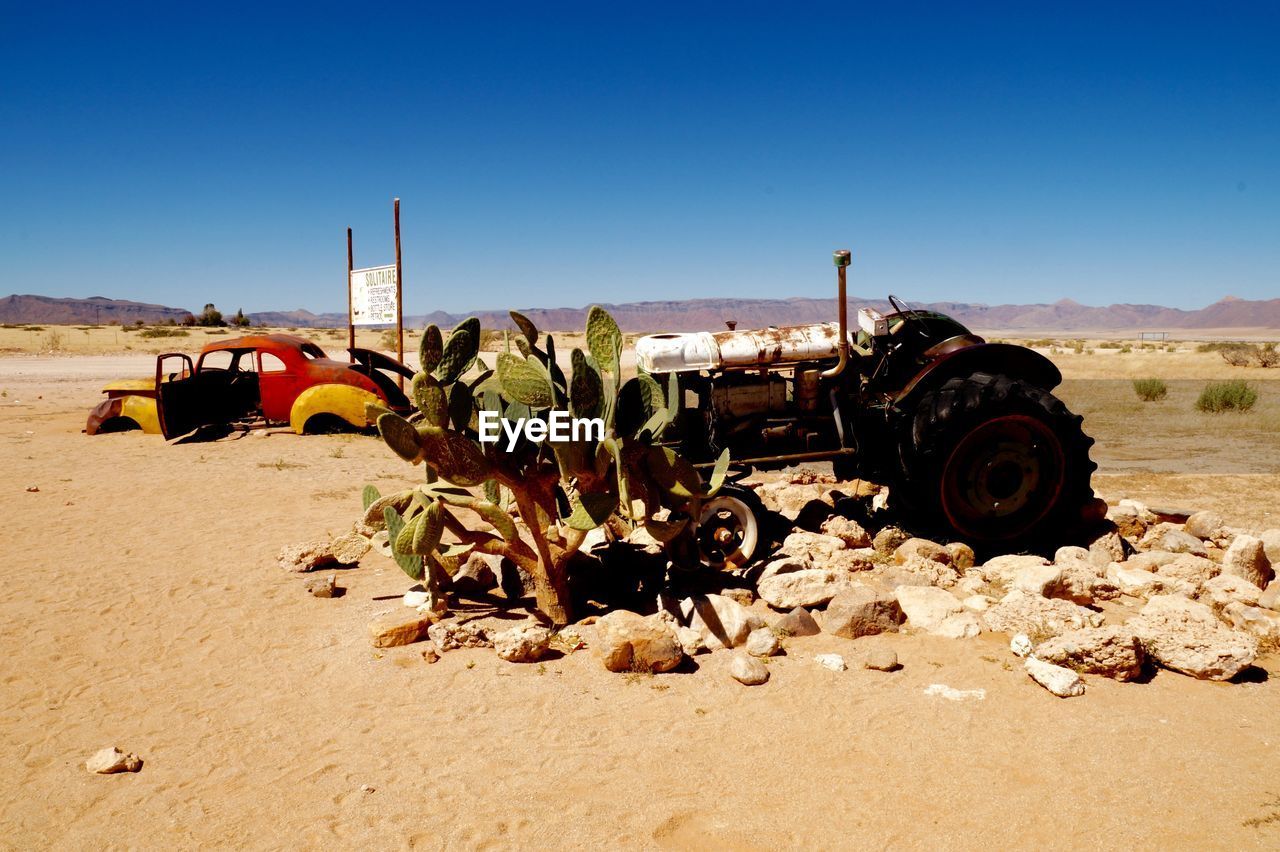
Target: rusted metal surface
x,y
788,344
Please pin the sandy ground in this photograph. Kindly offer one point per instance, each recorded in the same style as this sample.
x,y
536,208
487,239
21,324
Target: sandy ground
x,y
143,608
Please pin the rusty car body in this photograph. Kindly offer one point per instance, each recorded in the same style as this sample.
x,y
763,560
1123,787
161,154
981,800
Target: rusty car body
x,y
256,380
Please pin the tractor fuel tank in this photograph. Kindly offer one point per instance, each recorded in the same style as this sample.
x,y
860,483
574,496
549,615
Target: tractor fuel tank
x,y
704,350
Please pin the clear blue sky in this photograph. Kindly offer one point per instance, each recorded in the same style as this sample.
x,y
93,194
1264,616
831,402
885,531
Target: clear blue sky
x,y
557,154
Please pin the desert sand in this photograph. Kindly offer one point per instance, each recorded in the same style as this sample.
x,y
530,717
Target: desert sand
x,y
144,609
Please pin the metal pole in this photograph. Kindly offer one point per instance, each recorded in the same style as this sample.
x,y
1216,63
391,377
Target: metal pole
x,y
399,295
351,325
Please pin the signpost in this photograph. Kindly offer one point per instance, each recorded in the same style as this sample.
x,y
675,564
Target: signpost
x,y
375,295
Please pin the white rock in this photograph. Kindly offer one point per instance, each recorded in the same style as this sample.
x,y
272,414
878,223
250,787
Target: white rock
x,y
1204,524
690,641
977,603
1038,579
1133,581
1185,636
747,670
522,644
1114,652
1254,620
1020,612
962,625
835,662
112,760
810,587
1227,588
952,694
1020,645
1247,559
722,622
416,599
926,607
1063,683
1271,545
762,643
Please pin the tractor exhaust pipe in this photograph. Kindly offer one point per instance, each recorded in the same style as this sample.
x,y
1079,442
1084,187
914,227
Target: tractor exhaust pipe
x,y
841,260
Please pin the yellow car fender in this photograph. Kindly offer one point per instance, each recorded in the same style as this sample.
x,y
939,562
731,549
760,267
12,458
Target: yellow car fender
x,y
344,401
108,414
142,410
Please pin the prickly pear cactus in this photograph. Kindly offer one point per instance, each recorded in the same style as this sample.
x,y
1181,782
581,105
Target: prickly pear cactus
x,y
623,473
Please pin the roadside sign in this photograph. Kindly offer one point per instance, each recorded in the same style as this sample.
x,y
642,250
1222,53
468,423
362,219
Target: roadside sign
x,y
374,296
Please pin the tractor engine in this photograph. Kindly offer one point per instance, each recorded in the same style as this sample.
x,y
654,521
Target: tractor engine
x,y
759,393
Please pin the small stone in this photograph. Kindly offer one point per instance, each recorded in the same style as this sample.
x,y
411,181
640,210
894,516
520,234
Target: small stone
x,y
809,587
835,662
690,641
1228,588
1113,652
1062,682
1247,558
798,622
953,694
33,489
1038,579
881,660
430,654
348,549
921,548
977,603
526,643
400,628
627,641
746,669
1270,597
415,599
323,587
451,635
1020,645
763,643
478,574
112,760
862,611
1204,524
1107,547
888,540
721,621
742,597
926,607
849,531
1186,637
962,556
962,625
365,788
1271,545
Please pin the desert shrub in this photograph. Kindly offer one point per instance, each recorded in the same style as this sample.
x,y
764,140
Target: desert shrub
x,y
1042,343
1237,354
1126,349
1266,355
1110,344
1150,390
163,331
389,340
35,328
1233,395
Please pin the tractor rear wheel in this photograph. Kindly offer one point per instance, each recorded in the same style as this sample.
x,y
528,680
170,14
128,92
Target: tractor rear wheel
x,y
997,462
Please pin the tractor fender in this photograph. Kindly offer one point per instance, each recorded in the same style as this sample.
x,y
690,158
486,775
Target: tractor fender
x,y
967,358
343,401
140,409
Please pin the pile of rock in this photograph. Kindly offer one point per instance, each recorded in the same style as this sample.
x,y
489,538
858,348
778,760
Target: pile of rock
x,y
1182,591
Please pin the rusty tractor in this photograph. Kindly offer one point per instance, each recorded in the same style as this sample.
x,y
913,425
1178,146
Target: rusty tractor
x,y
966,433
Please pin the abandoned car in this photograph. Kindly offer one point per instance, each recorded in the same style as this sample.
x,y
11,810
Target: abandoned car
x,y
257,380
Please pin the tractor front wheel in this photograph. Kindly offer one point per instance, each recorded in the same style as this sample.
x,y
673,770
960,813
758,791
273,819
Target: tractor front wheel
x,y
996,462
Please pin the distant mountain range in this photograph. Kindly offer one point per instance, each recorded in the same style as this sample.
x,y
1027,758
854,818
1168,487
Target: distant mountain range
x,y
709,314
